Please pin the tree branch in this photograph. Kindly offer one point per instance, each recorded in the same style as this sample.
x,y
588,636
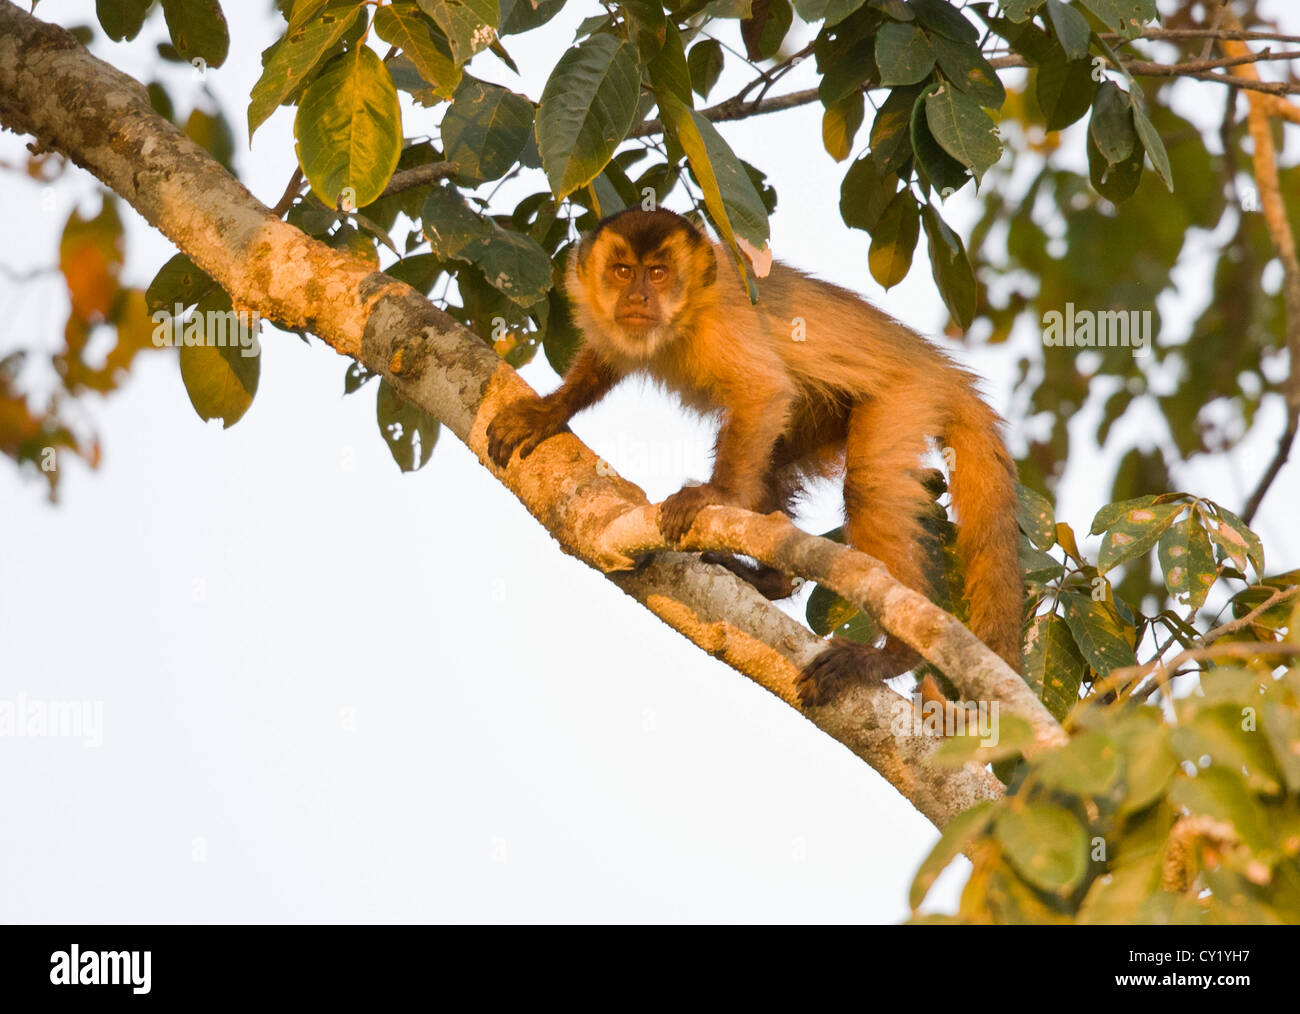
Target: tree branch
x,y
1279,229
52,88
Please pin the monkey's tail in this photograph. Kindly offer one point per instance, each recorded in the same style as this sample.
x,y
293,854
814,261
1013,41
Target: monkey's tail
x,y
983,485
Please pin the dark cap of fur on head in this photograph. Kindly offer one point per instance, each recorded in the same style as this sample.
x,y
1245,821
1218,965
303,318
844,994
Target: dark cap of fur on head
x,y
647,231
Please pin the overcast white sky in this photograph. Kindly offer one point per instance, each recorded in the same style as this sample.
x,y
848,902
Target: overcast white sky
x,y
330,691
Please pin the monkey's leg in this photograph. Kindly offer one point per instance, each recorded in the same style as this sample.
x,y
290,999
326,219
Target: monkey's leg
x,y
883,498
781,485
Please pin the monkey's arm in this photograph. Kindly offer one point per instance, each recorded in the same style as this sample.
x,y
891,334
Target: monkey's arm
x,y
742,460
524,424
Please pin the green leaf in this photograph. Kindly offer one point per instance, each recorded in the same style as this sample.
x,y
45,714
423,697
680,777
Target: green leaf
x,y
958,833
896,9
349,128
1154,146
1009,737
1217,732
1117,181
198,30
903,54
649,26
288,63
563,337
1089,765
668,71
1223,795
356,377
179,281
1115,512
454,231
1098,632
940,17
515,265
404,26
1071,27
1054,668
1149,760
1111,126
519,16
735,9
122,19
741,199
470,25
894,239
941,170
830,11
1238,541
1133,533
1064,90
963,129
1019,10
840,125
1035,516
965,66
828,613
1281,726
1046,844
221,380
486,129
866,193
419,271
1187,561
409,431
587,107
705,65
766,28
891,135
951,267
1124,16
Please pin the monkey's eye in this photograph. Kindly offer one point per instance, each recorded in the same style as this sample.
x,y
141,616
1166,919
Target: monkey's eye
x,y
658,274
622,272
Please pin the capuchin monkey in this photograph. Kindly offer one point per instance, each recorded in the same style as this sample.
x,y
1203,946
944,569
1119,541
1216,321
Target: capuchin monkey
x,y
811,381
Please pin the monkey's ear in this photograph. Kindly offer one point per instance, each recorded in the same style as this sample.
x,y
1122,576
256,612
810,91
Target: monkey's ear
x,y
583,250
709,274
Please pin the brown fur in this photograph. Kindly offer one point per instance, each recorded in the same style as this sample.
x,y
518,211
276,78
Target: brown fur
x,y
860,392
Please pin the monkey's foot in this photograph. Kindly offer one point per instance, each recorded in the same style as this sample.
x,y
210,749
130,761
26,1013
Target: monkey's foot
x,y
844,663
677,513
770,582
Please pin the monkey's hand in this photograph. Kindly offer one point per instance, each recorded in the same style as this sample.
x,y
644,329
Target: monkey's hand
x,y
677,513
521,425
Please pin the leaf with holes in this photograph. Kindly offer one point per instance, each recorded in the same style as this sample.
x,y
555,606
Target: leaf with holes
x,y
403,25
409,431
470,25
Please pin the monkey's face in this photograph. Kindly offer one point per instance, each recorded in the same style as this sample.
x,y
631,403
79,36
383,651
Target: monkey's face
x,y
640,275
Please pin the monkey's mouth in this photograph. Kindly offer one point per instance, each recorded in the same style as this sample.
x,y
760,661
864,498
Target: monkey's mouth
x,y
637,319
